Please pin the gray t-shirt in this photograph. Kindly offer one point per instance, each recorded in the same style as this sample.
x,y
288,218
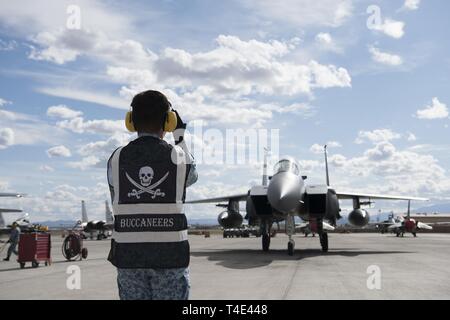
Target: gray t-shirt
x,y
15,234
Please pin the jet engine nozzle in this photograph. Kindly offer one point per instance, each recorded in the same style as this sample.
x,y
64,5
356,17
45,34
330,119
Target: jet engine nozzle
x,y
359,217
285,192
230,219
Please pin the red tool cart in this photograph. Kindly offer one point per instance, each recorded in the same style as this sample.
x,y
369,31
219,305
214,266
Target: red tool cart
x,y
34,247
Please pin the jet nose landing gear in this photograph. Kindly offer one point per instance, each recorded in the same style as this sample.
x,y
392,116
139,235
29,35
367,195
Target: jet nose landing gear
x,y
323,235
290,230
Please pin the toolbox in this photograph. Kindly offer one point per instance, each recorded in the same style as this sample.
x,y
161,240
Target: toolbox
x,y
34,247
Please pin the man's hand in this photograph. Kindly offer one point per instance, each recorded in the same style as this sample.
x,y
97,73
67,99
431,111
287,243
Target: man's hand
x,y
178,134
180,123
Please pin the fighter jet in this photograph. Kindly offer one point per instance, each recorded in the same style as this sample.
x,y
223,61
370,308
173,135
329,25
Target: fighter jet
x,y
308,228
286,195
101,227
3,227
401,225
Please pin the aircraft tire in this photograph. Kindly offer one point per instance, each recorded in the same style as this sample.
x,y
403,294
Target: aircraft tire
x,y
290,248
324,242
265,242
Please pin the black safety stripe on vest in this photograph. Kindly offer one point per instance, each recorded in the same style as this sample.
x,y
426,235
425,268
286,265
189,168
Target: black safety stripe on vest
x,y
150,254
150,222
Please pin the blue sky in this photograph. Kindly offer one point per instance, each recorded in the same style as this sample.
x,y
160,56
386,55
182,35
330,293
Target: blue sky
x,y
378,93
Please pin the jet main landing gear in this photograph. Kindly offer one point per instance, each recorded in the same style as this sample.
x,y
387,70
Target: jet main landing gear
x,y
265,234
324,241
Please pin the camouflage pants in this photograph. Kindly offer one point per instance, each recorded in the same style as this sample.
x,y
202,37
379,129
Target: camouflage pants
x,y
153,284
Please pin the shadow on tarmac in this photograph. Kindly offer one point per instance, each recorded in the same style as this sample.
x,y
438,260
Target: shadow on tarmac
x,y
247,259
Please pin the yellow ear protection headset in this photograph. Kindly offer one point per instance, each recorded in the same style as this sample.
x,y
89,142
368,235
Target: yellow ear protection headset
x,y
169,121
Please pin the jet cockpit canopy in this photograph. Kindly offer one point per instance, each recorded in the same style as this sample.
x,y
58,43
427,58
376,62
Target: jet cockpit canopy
x,y
287,164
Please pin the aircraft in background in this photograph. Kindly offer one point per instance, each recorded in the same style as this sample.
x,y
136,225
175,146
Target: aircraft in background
x,y
401,224
287,195
102,228
382,226
23,221
310,228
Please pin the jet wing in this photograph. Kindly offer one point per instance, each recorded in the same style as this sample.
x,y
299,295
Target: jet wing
x,y
422,225
395,226
352,195
10,210
236,197
9,194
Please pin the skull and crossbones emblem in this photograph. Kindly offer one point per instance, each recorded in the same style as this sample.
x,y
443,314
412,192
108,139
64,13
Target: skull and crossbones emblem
x,y
146,175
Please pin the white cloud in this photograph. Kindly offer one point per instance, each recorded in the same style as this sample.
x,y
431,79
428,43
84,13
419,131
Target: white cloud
x,y
29,129
62,202
411,5
35,132
6,137
104,126
65,45
324,38
62,111
411,137
437,110
238,67
215,84
377,135
385,58
383,150
59,151
337,160
329,76
46,168
95,14
301,13
386,169
86,95
4,102
104,148
334,144
391,28
309,165
85,163
326,42
317,148
8,45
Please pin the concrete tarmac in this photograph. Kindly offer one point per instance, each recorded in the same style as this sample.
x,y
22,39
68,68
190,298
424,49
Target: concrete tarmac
x,y
409,268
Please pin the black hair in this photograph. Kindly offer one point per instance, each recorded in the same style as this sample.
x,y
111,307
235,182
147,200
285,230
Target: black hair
x,y
149,110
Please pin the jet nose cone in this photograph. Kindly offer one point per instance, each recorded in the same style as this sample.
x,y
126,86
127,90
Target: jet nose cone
x,y
284,193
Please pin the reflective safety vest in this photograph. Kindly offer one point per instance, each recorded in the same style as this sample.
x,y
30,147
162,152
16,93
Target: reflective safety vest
x,y
150,228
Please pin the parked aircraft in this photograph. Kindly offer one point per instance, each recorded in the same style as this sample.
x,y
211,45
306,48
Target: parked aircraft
x,y
287,195
102,228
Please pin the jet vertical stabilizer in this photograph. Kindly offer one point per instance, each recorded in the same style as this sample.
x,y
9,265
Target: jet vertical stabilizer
x,y
84,217
108,213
